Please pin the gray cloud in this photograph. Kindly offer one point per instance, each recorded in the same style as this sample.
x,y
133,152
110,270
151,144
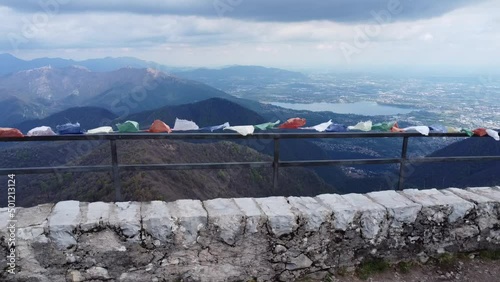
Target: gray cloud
x,y
348,11
178,33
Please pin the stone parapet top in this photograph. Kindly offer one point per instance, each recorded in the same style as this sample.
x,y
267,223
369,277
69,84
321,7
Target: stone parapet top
x,y
182,221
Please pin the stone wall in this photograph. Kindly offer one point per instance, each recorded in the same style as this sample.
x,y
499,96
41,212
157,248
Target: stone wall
x,y
264,239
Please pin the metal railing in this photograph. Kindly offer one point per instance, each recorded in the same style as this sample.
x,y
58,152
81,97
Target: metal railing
x,y
115,168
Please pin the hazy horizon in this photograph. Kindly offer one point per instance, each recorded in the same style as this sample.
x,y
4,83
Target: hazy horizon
x,y
396,71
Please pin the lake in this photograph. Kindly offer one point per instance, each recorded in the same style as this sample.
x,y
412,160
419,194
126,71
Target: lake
x,y
358,108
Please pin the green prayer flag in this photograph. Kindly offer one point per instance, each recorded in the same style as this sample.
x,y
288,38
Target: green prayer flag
x,y
468,132
267,125
384,126
128,126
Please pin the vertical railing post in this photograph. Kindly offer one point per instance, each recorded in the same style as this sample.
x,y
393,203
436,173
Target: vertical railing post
x,y
402,164
276,162
115,171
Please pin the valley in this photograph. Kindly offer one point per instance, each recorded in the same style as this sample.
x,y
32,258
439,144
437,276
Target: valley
x,y
50,96
469,100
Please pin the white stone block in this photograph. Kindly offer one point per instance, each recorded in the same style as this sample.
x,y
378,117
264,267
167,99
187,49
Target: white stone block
x,y
343,211
438,206
157,220
95,215
127,217
279,215
314,213
63,220
468,195
34,216
373,216
487,192
400,209
488,213
227,217
190,217
253,214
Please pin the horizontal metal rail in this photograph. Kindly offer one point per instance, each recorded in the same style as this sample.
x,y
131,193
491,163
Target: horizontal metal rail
x,y
55,169
453,159
115,168
229,165
338,162
225,136
386,161
191,166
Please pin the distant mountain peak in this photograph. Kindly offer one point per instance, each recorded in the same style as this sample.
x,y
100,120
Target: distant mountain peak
x,y
42,70
10,64
155,72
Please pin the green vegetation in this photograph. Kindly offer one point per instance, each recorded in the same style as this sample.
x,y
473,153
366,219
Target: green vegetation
x,y
405,266
256,176
23,155
222,175
370,267
342,271
490,254
446,261
154,185
67,177
235,149
329,278
462,256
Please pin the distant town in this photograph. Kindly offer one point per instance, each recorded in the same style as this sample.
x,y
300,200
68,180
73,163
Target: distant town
x,y
455,101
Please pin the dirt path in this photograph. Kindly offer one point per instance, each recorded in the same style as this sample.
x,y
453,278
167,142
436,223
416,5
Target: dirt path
x,y
468,268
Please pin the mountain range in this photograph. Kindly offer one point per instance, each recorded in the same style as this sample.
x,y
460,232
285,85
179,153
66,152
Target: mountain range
x,y
11,64
241,76
59,93
212,111
37,93
37,88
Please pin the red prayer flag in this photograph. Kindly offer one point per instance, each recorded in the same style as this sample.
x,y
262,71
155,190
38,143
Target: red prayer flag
x,y
293,123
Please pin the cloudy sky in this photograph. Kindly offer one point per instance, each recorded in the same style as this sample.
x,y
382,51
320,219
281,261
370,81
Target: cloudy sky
x,y
284,33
